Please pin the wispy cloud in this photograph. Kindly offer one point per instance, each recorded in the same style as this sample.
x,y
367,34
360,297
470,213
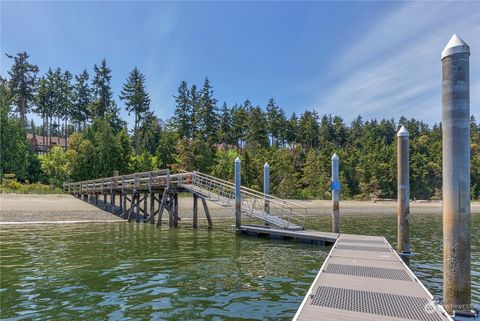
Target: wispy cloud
x,y
395,69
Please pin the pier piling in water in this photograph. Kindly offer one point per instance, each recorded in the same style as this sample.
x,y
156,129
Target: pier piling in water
x,y
456,176
335,194
266,186
403,192
238,197
195,210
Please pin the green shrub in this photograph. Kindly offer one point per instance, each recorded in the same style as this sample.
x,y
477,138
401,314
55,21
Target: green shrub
x,y
11,185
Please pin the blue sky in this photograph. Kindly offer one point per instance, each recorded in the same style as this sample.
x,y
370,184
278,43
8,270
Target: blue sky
x,y
377,59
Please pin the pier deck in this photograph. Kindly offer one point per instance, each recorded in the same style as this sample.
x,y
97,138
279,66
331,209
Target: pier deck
x,y
363,278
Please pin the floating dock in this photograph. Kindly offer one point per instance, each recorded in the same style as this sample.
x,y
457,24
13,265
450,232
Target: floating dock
x,y
363,278
303,236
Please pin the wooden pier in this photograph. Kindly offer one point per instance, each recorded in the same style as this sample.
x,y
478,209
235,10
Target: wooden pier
x,y
363,278
145,196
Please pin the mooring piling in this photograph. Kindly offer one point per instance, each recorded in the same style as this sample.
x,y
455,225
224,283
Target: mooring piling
x,y
195,210
266,186
456,176
238,197
403,192
335,194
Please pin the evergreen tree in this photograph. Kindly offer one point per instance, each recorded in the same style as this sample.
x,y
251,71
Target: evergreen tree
x,y
136,100
150,132
308,129
292,130
183,114
22,84
66,103
44,102
103,101
14,147
276,123
207,113
225,125
257,131
82,99
194,101
240,116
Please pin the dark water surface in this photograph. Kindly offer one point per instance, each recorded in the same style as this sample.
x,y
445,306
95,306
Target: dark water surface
x,y
121,271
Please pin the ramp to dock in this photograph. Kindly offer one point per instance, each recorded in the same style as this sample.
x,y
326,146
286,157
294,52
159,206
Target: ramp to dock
x,y
363,278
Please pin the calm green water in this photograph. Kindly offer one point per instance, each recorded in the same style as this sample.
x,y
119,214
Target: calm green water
x,y
120,271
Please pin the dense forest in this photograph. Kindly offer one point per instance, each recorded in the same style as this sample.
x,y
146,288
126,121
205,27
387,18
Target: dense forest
x,y
205,135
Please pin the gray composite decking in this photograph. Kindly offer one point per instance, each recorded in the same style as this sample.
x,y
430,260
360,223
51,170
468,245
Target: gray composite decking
x,y
363,278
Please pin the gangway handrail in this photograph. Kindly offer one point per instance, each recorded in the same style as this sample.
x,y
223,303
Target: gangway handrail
x,y
251,191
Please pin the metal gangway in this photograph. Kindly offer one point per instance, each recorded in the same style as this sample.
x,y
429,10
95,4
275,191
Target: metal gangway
x,y
273,211
270,209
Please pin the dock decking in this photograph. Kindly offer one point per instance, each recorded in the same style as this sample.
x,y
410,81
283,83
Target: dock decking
x,y
304,236
363,278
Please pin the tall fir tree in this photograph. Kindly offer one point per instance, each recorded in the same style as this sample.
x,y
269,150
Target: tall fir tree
x,y
22,84
103,101
276,123
182,116
257,130
194,101
208,113
66,102
82,94
225,125
137,101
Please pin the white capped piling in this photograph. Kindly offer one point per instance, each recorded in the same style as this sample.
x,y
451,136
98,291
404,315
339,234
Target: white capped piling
x,y
456,176
335,194
266,186
238,197
403,191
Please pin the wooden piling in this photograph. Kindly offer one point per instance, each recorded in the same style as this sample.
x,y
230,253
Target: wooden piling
x,y
207,212
195,211
176,218
123,197
112,195
145,212
162,207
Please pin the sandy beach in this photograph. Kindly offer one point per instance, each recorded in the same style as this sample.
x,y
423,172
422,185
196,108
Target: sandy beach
x,y
21,208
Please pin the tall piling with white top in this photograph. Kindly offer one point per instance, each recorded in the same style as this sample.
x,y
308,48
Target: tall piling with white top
x,y
403,192
335,194
238,197
266,186
456,176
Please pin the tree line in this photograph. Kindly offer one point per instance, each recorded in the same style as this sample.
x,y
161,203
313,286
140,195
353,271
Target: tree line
x,y
204,135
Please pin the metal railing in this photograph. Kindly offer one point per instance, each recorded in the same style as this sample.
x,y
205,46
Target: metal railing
x,y
271,209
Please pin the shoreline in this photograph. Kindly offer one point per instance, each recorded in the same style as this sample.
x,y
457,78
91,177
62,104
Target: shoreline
x,y
17,209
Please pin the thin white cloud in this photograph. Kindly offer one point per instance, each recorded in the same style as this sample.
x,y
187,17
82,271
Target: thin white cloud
x,y
395,68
